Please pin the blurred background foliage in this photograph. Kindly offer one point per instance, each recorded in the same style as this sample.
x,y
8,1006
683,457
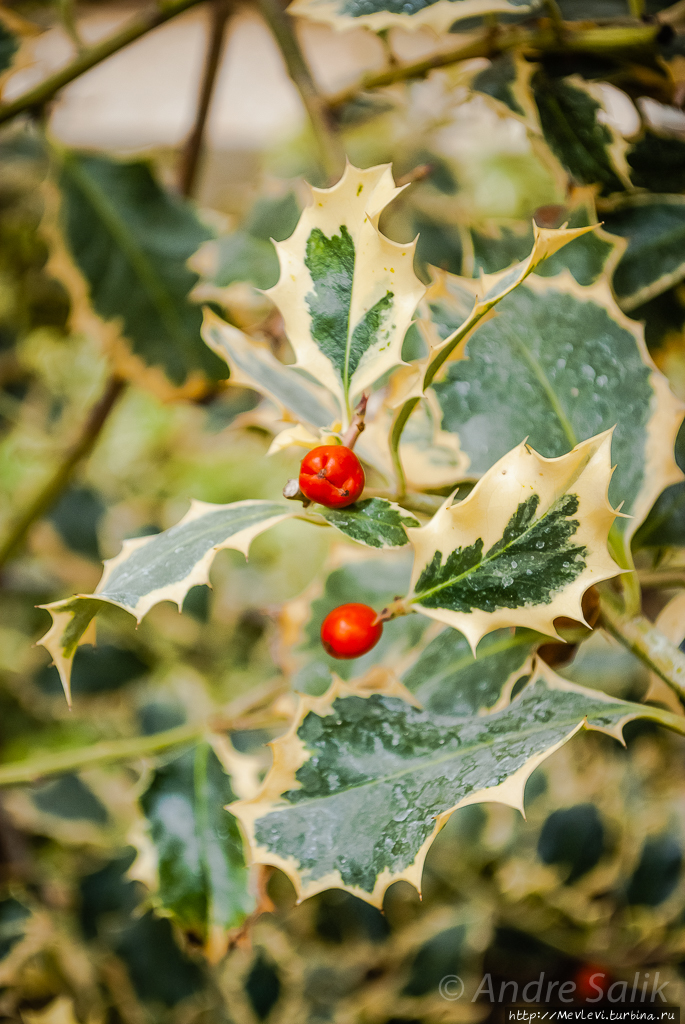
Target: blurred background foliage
x,y
90,931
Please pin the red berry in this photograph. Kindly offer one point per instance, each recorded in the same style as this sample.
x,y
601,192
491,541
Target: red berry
x,y
590,979
350,631
332,475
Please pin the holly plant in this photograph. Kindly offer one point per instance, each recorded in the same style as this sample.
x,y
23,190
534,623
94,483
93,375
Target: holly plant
x,y
470,426
515,547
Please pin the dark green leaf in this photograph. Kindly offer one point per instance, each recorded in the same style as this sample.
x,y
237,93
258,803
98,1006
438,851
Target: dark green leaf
x,y
448,680
583,145
203,880
9,44
130,241
375,522
658,163
655,258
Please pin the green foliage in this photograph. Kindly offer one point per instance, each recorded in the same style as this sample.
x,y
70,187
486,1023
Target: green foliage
x,y
581,370
130,241
487,452
390,772
203,880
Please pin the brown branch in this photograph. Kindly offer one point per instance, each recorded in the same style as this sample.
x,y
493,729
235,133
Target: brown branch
x,y
599,40
190,156
63,473
331,152
150,18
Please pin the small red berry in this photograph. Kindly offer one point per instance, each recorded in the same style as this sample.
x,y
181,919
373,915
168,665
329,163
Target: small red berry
x,y
590,980
332,475
350,631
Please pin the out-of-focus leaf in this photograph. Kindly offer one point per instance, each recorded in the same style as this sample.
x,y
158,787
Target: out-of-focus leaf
x,y
390,774
657,163
9,44
76,517
448,680
161,567
248,254
522,548
654,261
254,366
590,150
160,972
382,14
507,80
573,837
203,880
125,246
99,669
70,798
577,366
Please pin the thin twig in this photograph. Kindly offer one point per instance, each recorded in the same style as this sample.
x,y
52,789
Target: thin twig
x,y
331,152
357,425
105,752
234,716
646,642
601,39
190,157
149,19
52,489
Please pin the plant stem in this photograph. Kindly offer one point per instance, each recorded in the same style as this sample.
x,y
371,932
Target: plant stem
x,y
63,473
150,18
239,714
601,39
646,642
107,751
190,157
356,427
331,153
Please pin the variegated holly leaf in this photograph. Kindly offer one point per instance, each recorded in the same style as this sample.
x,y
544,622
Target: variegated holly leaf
x,y
347,293
375,522
574,123
507,82
522,548
654,261
202,879
374,767
254,366
456,306
577,366
496,245
119,243
163,567
382,14
448,679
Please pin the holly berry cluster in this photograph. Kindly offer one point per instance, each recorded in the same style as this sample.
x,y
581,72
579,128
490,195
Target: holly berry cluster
x,y
332,475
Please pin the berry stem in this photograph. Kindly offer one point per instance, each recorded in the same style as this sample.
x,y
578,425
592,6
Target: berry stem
x,y
357,425
394,610
292,492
